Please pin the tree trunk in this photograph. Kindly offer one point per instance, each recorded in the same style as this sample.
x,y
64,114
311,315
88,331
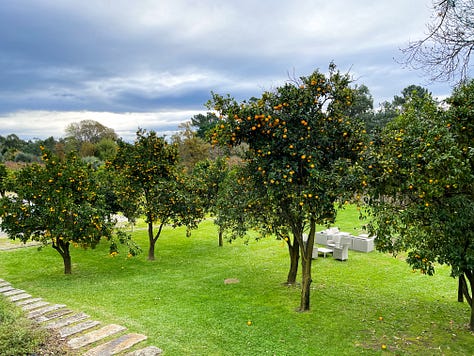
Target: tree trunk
x,y
306,261
471,322
152,241
221,233
67,264
463,292
294,251
63,248
470,277
305,284
460,289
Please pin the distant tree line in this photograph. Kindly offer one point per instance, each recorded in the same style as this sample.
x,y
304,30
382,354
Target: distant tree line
x,y
90,139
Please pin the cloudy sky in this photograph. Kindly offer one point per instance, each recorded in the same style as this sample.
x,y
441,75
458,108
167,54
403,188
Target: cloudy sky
x,y
153,63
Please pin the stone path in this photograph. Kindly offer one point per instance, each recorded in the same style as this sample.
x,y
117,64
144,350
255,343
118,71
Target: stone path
x,y
83,335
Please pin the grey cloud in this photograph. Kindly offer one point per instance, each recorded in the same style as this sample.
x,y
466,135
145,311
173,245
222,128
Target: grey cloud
x,y
145,56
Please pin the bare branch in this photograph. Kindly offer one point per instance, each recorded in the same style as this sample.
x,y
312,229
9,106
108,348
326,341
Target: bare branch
x,y
445,53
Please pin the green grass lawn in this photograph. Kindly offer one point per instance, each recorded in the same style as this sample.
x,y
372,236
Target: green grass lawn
x,y
181,303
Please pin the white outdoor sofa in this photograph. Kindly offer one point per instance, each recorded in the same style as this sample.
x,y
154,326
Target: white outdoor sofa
x,y
332,236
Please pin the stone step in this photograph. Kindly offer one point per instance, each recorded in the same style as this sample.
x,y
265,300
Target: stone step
x,y
6,289
13,292
4,284
77,328
34,305
36,313
117,345
54,315
16,297
147,351
94,336
56,324
27,301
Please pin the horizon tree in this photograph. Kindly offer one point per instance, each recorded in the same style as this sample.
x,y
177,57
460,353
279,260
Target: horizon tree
x,y
89,131
204,124
191,148
86,136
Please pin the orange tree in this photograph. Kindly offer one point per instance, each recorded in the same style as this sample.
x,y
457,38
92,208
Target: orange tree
x,y
302,146
241,205
208,177
57,203
421,187
147,182
238,205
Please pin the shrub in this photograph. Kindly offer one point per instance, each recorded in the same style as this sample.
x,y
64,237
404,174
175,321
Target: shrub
x,y
18,335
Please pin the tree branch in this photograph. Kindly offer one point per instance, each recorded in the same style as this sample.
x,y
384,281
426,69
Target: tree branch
x,y
445,53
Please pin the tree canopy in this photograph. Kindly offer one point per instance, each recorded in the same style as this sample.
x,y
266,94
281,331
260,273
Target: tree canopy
x,y
89,131
55,203
421,186
204,123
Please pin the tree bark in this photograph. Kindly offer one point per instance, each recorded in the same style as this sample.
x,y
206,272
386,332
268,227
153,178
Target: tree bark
x,y
471,322
294,251
460,289
221,241
463,292
470,277
306,261
153,238
463,287
305,284
63,249
152,241
67,264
